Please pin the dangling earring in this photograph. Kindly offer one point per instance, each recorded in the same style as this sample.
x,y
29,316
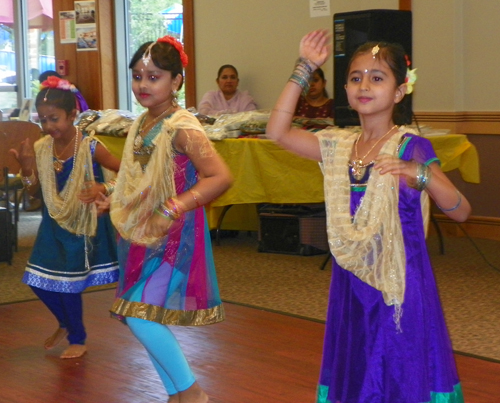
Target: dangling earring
x,y
174,99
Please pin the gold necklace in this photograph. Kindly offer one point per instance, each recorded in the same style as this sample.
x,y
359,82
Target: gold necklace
x,y
139,138
357,167
57,161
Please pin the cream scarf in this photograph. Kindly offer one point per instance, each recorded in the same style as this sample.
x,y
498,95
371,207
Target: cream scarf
x,y
138,193
65,207
370,244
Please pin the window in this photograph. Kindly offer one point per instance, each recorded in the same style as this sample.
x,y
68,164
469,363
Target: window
x,y
26,50
142,22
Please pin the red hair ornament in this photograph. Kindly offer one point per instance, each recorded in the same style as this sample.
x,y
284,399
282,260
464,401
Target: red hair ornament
x,y
172,41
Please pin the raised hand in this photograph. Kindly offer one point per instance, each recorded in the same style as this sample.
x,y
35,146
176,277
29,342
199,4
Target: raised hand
x,y
25,155
316,47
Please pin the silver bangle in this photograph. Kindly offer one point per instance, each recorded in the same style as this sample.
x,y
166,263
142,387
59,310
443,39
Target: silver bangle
x,y
309,64
301,76
423,177
445,210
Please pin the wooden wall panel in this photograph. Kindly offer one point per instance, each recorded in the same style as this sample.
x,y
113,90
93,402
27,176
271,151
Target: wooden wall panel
x,y
88,70
405,5
462,122
188,16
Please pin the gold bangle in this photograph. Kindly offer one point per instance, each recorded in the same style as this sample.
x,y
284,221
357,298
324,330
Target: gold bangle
x,y
109,187
180,205
171,210
163,214
194,193
282,110
173,206
28,181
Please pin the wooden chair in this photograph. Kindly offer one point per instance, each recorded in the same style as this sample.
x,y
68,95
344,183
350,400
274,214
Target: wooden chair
x,y
11,135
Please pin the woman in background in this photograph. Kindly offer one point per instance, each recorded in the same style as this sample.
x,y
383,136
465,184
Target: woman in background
x,y
227,99
316,104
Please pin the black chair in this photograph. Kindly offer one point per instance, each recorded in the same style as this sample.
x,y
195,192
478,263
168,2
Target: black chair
x,y
8,225
12,133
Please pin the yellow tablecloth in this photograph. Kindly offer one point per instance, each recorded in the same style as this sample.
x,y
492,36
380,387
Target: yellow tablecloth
x,y
456,152
265,173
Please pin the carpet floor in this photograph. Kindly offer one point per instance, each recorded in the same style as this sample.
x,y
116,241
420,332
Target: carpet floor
x,y
468,277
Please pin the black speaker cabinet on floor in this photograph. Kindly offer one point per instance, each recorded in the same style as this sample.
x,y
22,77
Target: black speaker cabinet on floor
x,y
293,229
351,30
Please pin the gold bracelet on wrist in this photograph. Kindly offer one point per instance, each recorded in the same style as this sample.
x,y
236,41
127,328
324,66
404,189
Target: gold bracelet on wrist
x,y
176,206
283,110
163,214
28,181
109,187
196,196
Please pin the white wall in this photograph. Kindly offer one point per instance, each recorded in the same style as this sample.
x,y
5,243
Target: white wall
x,y
438,55
456,47
481,36
261,39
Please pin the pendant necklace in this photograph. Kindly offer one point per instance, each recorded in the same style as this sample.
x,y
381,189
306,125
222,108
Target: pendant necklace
x,y
357,167
139,138
58,162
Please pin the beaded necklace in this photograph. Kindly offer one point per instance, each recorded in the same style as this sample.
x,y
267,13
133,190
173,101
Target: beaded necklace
x,y
70,178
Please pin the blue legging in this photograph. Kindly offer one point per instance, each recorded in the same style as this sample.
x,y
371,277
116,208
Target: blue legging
x,y
68,310
165,353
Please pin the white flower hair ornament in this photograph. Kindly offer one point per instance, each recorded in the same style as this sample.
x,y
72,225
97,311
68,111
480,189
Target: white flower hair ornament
x,y
411,76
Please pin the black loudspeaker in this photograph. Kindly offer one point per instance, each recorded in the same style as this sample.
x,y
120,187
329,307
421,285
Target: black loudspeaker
x,y
293,229
351,30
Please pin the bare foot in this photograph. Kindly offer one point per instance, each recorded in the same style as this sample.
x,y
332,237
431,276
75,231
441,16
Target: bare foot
x,y
194,394
174,398
74,351
56,338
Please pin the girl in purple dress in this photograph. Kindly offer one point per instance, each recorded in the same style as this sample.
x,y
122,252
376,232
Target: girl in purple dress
x,y
386,340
